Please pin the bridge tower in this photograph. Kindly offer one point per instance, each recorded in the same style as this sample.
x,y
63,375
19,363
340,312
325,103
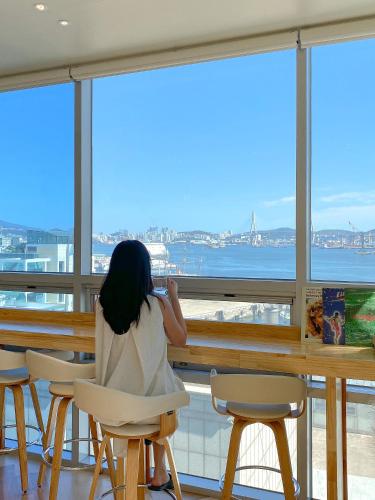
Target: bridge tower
x,y
253,235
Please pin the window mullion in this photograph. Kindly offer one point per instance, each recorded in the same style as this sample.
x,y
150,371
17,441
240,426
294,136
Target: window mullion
x,y
303,223
83,189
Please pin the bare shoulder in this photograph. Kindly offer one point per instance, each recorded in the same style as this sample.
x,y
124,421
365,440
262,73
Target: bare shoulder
x,y
163,301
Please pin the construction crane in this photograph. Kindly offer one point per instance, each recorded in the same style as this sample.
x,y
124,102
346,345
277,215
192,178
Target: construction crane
x,y
361,235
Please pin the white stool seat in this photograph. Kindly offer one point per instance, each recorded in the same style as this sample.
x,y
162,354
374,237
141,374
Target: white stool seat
x,y
21,375
131,430
63,355
14,377
60,389
259,411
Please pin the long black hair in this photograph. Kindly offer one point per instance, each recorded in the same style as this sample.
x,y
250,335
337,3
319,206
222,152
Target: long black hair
x,y
126,285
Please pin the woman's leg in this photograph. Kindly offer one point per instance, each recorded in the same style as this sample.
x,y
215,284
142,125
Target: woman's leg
x,y
160,473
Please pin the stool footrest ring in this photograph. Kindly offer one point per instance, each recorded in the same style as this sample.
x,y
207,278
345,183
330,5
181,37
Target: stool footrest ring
x,y
48,460
4,451
297,488
123,486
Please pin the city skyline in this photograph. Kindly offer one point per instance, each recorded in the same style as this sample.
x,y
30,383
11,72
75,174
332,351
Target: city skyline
x,y
7,226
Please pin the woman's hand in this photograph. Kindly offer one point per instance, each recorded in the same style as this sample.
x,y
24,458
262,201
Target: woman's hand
x,y
174,323
172,288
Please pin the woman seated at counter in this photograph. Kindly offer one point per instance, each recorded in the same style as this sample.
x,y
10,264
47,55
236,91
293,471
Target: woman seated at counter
x,y
133,325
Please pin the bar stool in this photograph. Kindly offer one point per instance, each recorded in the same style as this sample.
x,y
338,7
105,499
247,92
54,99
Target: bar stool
x,y
14,375
265,399
118,413
61,375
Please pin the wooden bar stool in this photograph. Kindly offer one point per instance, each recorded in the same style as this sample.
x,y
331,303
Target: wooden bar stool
x,y
61,374
14,376
118,413
265,399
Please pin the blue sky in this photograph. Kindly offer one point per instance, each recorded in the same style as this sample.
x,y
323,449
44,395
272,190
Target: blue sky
x,y
199,146
36,156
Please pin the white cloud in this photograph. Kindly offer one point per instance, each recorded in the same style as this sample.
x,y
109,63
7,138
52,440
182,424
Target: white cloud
x,y
362,197
362,216
285,200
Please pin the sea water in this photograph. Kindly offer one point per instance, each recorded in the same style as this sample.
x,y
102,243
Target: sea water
x,y
245,261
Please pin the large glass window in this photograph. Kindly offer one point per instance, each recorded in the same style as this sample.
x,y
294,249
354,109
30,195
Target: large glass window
x,y
360,450
238,312
198,162
343,157
44,301
37,179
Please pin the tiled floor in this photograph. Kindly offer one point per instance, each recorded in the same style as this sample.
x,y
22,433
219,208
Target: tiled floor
x,y
73,485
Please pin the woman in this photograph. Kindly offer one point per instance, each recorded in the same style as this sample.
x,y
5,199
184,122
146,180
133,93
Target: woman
x,y
132,328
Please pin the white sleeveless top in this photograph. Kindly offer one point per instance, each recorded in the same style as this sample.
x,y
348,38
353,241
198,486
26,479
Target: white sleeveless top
x,y
135,362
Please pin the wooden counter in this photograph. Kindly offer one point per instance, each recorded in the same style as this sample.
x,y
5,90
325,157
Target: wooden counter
x,y
258,347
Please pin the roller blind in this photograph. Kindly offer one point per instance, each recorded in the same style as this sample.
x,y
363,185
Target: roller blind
x,y
171,57
308,37
338,32
34,79
251,45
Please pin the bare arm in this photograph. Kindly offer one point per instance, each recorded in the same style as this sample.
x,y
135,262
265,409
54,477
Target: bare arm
x,y
174,324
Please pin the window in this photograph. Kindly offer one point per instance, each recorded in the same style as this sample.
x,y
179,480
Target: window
x,y
198,162
238,312
36,300
360,450
343,155
235,312
36,159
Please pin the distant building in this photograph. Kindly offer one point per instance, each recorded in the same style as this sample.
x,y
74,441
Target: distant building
x,y
52,251
55,236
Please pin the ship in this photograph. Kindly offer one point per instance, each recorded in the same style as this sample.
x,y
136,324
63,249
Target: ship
x,y
160,264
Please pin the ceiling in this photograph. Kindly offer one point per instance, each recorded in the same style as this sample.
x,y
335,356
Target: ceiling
x,y
102,29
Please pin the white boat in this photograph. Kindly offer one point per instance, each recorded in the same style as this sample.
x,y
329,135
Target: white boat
x,y
159,258
157,250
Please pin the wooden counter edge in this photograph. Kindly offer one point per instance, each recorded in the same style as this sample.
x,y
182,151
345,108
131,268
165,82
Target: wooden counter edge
x,y
48,341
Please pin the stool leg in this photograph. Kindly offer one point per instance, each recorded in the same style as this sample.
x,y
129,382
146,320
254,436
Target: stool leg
x,y
2,416
21,433
172,468
98,467
234,446
38,413
148,461
94,435
279,431
58,446
111,467
132,464
120,477
48,436
141,470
